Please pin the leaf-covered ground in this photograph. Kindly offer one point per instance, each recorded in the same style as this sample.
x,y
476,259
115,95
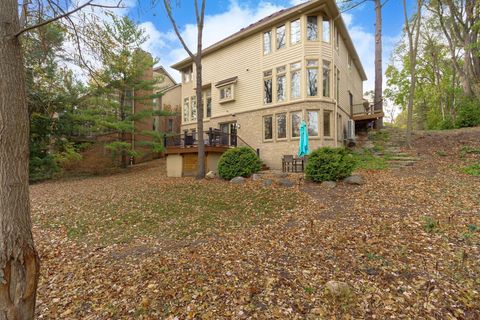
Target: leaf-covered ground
x,y
140,245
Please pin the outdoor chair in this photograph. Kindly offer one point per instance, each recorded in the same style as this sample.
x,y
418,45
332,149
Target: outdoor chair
x,y
288,163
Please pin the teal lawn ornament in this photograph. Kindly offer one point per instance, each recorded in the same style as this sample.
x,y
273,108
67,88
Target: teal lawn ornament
x,y
303,146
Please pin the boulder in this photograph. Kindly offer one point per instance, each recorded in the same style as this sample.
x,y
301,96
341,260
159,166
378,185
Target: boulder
x,y
357,180
267,182
238,180
285,183
329,184
338,289
210,175
256,177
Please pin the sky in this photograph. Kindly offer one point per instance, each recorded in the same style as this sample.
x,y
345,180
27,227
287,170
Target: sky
x,y
223,18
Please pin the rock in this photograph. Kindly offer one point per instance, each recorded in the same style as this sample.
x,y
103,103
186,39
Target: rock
x,y
285,183
329,184
238,180
256,177
267,182
338,289
357,180
281,175
210,175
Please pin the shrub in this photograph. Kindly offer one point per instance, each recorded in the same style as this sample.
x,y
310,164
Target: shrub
x,y
238,162
329,164
468,113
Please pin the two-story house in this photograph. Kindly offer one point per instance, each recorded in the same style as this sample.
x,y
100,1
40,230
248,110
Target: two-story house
x,y
261,82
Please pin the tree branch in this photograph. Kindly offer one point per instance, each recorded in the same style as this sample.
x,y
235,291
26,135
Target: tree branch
x,y
86,4
175,28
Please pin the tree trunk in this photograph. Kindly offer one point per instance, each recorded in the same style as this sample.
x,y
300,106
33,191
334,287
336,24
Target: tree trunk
x,y
123,136
201,143
19,261
378,98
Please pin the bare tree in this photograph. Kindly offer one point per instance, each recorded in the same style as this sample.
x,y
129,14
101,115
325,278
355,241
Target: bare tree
x,y
378,95
197,59
19,262
412,28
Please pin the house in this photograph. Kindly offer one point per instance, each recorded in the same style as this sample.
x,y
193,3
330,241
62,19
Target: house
x,y
261,82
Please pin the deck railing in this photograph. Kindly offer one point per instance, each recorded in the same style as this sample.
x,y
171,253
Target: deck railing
x,y
359,110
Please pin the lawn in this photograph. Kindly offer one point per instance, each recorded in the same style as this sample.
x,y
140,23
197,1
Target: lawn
x,y
140,245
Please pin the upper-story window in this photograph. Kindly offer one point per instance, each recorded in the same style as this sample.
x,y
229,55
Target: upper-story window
x,y
193,110
208,103
281,83
312,28
326,78
295,32
267,87
268,127
187,74
226,89
312,78
186,110
281,37
326,30
295,71
267,42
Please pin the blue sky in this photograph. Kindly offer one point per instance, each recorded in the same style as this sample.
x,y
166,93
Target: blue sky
x,y
226,17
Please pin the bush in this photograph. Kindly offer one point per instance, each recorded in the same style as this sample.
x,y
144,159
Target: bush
x,y
329,164
468,113
238,162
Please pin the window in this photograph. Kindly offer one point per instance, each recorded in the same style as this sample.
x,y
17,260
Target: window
x,y
226,93
267,42
268,128
281,83
326,123
267,87
281,37
326,79
326,30
170,125
312,123
295,32
193,114
186,111
282,126
312,28
295,80
312,76
296,119
208,103
187,74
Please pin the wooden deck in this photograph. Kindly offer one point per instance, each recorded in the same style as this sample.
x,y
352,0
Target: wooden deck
x,y
368,116
194,149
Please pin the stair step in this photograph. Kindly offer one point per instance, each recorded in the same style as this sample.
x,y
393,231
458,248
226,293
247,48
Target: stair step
x,y
403,158
401,163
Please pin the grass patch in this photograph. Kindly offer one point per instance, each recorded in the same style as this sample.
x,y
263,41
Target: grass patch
x,y
379,136
176,211
430,225
368,161
469,150
473,169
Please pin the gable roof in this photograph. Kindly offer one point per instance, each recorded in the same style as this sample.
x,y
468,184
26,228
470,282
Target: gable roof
x,y
329,5
161,69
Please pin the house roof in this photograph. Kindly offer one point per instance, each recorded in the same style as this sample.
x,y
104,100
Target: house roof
x,y
226,81
329,5
161,69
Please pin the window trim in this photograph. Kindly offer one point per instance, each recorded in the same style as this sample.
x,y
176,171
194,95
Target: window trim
x,y
223,87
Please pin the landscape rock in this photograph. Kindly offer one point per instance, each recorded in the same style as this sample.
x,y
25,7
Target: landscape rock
x,y
357,180
238,180
329,184
267,182
210,175
256,177
338,289
285,183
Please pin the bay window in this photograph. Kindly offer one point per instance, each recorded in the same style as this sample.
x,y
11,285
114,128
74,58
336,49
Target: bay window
x,y
295,32
312,28
312,76
295,71
268,127
267,87
326,30
296,120
281,37
281,83
282,126
312,123
326,79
